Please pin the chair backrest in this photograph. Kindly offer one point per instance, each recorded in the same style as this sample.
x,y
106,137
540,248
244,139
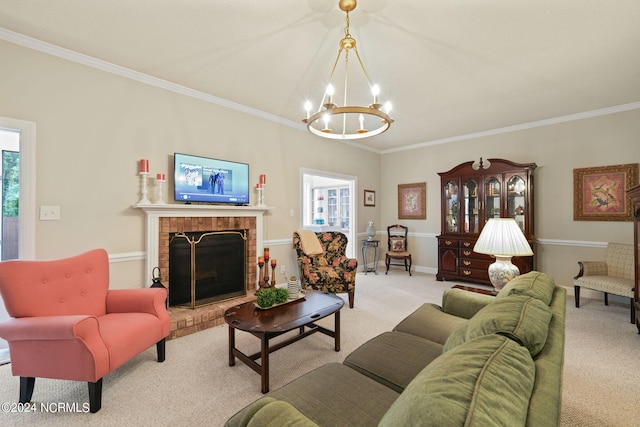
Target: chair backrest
x,y
74,285
334,244
397,238
620,260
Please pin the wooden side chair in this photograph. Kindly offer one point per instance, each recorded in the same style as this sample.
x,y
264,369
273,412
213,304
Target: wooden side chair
x,y
397,247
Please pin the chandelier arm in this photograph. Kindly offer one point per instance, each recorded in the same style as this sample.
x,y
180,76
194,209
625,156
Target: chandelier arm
x,y
364,70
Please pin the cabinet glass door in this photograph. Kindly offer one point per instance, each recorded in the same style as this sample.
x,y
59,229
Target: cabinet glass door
x,y
516,201
491,199
451,204
344,207
332,205
470,188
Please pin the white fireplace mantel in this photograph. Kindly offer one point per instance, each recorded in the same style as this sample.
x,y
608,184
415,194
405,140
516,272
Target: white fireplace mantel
x,y
156,211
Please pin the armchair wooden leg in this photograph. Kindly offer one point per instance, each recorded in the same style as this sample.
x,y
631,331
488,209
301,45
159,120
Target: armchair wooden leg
x,y
387,262
26,388
576,291
160,347
606,298
351,297
95,396
410,265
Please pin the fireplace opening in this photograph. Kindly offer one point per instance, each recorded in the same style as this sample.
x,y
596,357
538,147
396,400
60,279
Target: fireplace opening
x,y
206,267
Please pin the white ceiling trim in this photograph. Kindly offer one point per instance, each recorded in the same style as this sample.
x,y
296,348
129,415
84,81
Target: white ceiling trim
x,y
89,61
108,67
523,126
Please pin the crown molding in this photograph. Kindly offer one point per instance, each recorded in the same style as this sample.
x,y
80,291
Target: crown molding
x,y
108,67
128,73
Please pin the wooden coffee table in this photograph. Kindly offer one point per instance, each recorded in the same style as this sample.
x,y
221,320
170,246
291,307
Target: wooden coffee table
x,y
269,323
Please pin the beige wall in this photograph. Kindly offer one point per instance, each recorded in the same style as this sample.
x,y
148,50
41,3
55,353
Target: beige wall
x,y
557,150
93,126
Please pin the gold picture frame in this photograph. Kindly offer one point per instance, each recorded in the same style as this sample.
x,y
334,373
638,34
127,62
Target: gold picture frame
x,y
412,201
600,193
369,198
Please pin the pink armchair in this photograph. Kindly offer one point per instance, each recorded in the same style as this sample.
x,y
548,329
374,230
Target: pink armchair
x,y
66,323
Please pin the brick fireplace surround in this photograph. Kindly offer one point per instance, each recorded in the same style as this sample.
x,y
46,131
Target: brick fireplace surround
x,y
161,220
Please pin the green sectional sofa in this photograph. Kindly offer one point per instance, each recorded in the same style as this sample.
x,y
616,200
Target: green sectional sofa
x,y
476,360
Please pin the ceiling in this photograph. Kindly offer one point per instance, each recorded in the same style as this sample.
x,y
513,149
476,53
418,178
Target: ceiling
x,y
451,68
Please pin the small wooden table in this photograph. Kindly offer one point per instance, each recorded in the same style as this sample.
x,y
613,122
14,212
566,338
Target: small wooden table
x,y
269,323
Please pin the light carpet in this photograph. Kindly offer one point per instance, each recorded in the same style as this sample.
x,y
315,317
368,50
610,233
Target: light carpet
x,y
195,385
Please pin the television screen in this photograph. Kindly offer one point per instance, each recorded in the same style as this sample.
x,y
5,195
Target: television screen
x,y
202,179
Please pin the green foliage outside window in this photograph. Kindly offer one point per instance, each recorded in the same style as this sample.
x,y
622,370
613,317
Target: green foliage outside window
x,y
10,183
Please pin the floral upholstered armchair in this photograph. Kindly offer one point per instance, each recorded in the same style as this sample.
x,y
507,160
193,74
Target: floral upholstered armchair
x,y
328,269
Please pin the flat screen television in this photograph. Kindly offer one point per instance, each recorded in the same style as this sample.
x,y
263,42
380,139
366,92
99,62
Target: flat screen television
x,y
203,179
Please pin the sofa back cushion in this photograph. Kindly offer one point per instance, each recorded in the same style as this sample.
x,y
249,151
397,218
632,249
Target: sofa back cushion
x,y
534,284
524,319
486,381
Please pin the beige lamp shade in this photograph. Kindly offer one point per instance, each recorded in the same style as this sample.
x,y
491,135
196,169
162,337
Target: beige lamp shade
x,y
502,238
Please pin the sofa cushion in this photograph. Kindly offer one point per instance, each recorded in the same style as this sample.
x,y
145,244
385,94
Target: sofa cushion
x,y
393,358
534,284
336,395
430,322
467,385
520,317
279,414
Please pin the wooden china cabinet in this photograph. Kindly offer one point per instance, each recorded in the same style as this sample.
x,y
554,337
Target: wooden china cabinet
x,y
634,193
472,193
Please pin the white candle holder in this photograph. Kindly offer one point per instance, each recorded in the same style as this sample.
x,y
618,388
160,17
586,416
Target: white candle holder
x,y
160,198
143,189
260,191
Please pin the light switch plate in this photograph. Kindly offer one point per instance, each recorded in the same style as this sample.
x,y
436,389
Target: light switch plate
x,y
49,213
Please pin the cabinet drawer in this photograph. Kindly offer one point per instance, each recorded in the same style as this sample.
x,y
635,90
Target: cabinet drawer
x,y
449,243
473,273
469,263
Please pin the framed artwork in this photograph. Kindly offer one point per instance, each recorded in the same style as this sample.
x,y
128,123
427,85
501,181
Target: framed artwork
x,y
412,201
600,193
369,198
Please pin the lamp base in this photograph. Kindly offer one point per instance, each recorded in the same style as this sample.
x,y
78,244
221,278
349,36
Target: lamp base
x,y
502,271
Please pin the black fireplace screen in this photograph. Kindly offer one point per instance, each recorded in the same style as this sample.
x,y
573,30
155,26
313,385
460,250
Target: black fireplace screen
x,y
205,267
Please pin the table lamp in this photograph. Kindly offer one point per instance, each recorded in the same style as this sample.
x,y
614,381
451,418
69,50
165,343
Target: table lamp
x,y
502,238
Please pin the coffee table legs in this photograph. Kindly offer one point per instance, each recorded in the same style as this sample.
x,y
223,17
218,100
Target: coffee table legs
x,y
336,330
262,368
264,363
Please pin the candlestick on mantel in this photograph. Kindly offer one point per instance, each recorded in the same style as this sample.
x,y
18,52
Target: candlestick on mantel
x,y
266,254
159,182
144,166
263,179
143,189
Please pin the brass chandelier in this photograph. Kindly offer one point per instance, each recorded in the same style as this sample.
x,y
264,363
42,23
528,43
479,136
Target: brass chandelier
x,y
352,120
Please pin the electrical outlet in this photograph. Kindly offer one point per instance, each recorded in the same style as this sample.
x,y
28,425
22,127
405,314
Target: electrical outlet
x,y
283,270
49,213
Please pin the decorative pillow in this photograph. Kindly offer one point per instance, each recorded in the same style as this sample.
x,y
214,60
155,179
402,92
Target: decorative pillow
x,y
397,244
486,382
534,284
522,318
